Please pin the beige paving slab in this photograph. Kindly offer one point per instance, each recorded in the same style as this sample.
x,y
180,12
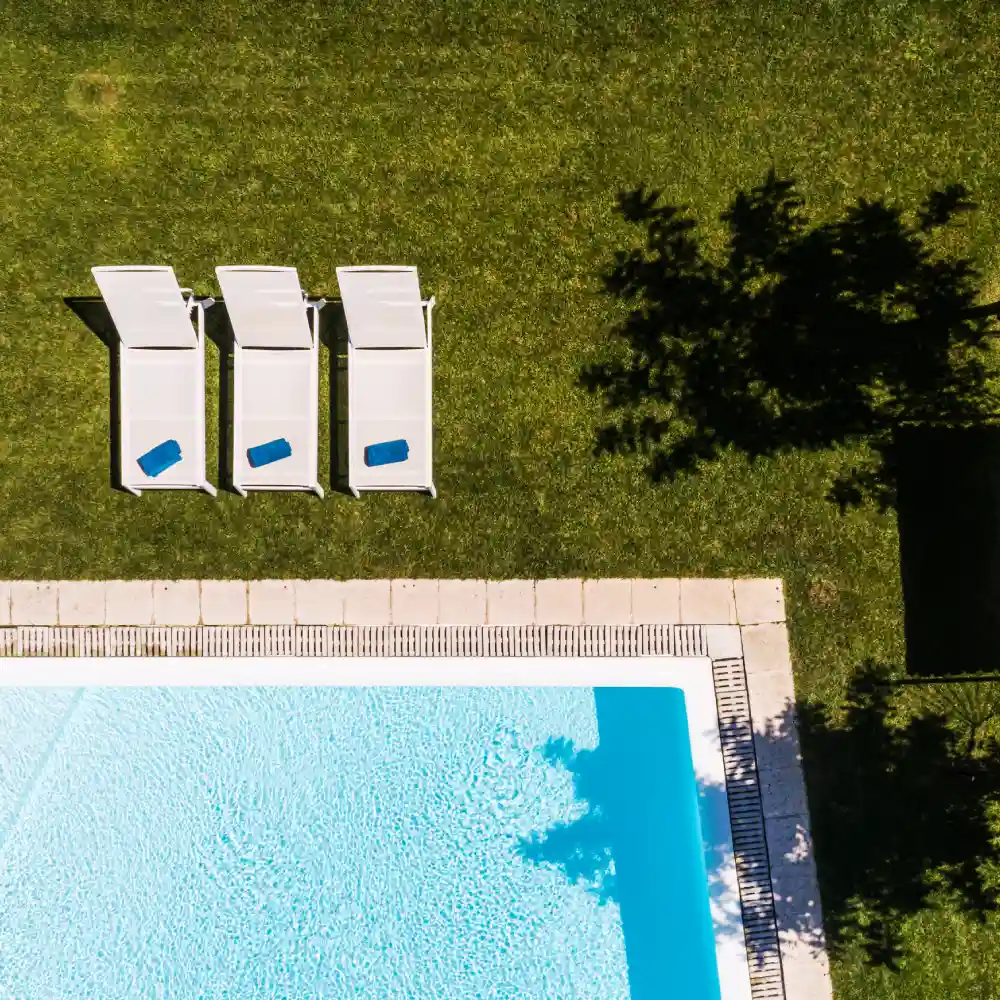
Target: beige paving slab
x,y
799,915
776,736
656,601
224,602
805,969
723,642
782,792
34,602
559,601
778,746
128,602
367,602
414,602
607,602
4,602
766,650
759,601
176,602
707,602
789,844
800,898
510,602
82,602
462,602
319,602
271,602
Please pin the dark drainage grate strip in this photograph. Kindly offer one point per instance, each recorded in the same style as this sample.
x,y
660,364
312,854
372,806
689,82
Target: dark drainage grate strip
x,y
355,640
753,872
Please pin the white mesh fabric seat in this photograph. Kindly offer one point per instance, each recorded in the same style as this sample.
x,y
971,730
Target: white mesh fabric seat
x,y
389,376
272,389
275,376
161,374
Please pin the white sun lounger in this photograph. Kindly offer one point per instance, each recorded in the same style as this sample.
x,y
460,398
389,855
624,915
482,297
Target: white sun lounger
x,y
275,376
161,374
389,376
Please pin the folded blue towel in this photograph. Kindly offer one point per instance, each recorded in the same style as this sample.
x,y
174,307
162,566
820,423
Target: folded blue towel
x,y
387,452
265,454
157,459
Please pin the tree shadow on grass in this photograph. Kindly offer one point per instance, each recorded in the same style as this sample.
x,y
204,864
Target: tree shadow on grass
x,y
94,314
813,337
803,337
903,810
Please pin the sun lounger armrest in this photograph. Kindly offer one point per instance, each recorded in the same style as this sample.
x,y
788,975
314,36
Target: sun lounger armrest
x,y
429,306
315,305
193,302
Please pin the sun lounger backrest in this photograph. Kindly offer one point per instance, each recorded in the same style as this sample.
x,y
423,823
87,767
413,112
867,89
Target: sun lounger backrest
x,y
265,306
146,305
382,306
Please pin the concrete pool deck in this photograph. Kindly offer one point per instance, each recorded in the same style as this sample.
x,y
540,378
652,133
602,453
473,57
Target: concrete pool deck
x,y
739,624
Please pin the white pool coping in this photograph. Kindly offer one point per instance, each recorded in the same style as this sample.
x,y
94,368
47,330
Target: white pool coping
x,y
354,671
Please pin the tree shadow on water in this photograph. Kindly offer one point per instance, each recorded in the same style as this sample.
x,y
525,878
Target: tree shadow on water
x,y
903,786
634,843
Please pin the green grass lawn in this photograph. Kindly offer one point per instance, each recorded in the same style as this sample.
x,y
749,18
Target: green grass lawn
x,y
487,148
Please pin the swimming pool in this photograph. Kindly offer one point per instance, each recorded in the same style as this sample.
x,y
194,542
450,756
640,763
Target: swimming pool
x,y
329,842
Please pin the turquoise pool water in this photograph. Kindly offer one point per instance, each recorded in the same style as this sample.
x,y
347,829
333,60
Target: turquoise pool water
x,y
435,843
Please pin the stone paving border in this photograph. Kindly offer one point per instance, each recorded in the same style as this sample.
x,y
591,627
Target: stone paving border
x,y
391,602
736,622
794,881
